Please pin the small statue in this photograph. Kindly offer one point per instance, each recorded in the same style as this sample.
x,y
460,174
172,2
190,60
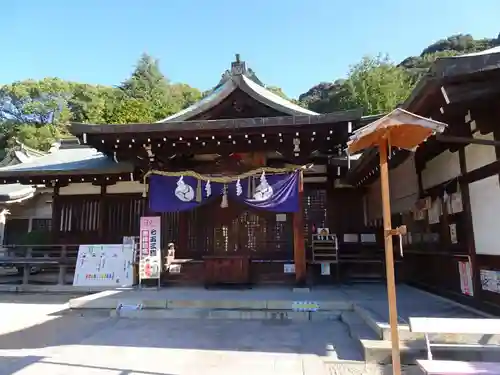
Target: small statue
x,y
170,255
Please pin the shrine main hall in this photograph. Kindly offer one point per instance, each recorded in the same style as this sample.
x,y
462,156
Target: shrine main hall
x,y
243,176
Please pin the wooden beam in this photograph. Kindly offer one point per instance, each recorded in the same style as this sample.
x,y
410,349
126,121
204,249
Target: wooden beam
x,y
466,140
56,215
103,214
469,229
220,125
299,252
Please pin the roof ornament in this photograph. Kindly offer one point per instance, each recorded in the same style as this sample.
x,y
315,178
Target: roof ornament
x,y
238,67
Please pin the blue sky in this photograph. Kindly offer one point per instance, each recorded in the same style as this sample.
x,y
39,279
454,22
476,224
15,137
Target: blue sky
x,y
293,44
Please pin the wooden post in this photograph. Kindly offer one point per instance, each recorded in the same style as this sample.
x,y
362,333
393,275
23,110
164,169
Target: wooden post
x,y
389,257
56,216
103,215
299,251
61,278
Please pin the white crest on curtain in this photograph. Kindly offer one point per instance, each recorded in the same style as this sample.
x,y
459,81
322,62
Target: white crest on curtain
x,y
183,191
239,189
208,189
263,191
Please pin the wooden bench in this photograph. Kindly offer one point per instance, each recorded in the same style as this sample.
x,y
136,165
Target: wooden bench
x,y
459,326
458,367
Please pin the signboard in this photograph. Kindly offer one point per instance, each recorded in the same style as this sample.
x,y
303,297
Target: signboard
x,y
490,280
150,252
289,268
305,306
465,271
325,269
104,265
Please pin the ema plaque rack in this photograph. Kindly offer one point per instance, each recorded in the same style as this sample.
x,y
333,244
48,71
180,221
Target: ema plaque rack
x,y
325,251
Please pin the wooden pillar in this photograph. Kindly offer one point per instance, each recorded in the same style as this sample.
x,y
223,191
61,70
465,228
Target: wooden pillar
x,y
103,215
56,215
469,230
61,278
299,251
183,239
389,257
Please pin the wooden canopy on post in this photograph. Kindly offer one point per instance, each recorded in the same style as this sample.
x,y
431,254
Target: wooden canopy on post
x,y
404,130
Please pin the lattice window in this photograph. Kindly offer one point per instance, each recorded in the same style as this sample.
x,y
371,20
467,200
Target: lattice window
x,y
42,225
80,214
315,203
170,228
123,215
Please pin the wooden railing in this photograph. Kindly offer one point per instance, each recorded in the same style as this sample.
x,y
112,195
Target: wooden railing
x,y
27,257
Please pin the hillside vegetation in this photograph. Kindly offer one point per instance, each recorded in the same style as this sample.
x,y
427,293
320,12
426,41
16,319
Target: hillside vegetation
x,y
37,112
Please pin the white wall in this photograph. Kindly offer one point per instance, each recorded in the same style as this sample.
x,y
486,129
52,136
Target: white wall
x,y
443,167
485,206
477,156
39,207
403,185
122,187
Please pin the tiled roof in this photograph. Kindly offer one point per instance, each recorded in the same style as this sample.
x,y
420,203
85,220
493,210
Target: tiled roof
x,y
232,80
81,160
14,193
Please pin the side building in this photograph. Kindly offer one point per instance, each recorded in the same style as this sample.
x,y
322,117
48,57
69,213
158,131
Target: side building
x,y
447,193
27,207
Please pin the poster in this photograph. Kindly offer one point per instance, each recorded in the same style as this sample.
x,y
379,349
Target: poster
x,y
104,265
289,268
150,251
435,211
490,280
325,269
453,233
456,202
465,272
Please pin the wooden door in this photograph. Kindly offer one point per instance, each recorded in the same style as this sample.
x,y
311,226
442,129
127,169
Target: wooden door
x,y
226,230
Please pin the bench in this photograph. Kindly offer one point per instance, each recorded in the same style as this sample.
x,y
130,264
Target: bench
x,y
458,367
461,326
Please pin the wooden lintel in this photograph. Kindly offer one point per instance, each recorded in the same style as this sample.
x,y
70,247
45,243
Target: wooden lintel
x,y
467,140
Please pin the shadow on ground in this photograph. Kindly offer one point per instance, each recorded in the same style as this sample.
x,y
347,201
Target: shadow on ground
x,y
11,365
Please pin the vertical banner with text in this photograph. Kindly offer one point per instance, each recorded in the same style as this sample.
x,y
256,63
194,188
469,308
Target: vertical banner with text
x,y
465,271
150,244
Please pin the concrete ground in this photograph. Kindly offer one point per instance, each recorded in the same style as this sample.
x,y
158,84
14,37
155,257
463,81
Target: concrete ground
x,y
39,336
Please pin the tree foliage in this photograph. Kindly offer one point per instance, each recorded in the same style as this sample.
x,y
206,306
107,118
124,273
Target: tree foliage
x,y
37,111
376,85
369,79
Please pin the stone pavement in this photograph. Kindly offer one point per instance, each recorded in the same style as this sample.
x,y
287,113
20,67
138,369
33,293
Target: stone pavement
x,y
42,338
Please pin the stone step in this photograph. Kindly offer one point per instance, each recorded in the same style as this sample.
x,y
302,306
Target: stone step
x,y
100,301
380,351
204,313
340,367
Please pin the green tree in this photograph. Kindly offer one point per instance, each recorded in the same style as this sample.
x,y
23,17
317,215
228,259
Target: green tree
x,y
34,109
148,85
376,85
92,103
131,110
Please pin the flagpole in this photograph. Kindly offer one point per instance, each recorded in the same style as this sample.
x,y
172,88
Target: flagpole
x,y
389,256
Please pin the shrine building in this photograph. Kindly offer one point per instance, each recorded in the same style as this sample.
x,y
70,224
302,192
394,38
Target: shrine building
x,y
447,193
244,177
